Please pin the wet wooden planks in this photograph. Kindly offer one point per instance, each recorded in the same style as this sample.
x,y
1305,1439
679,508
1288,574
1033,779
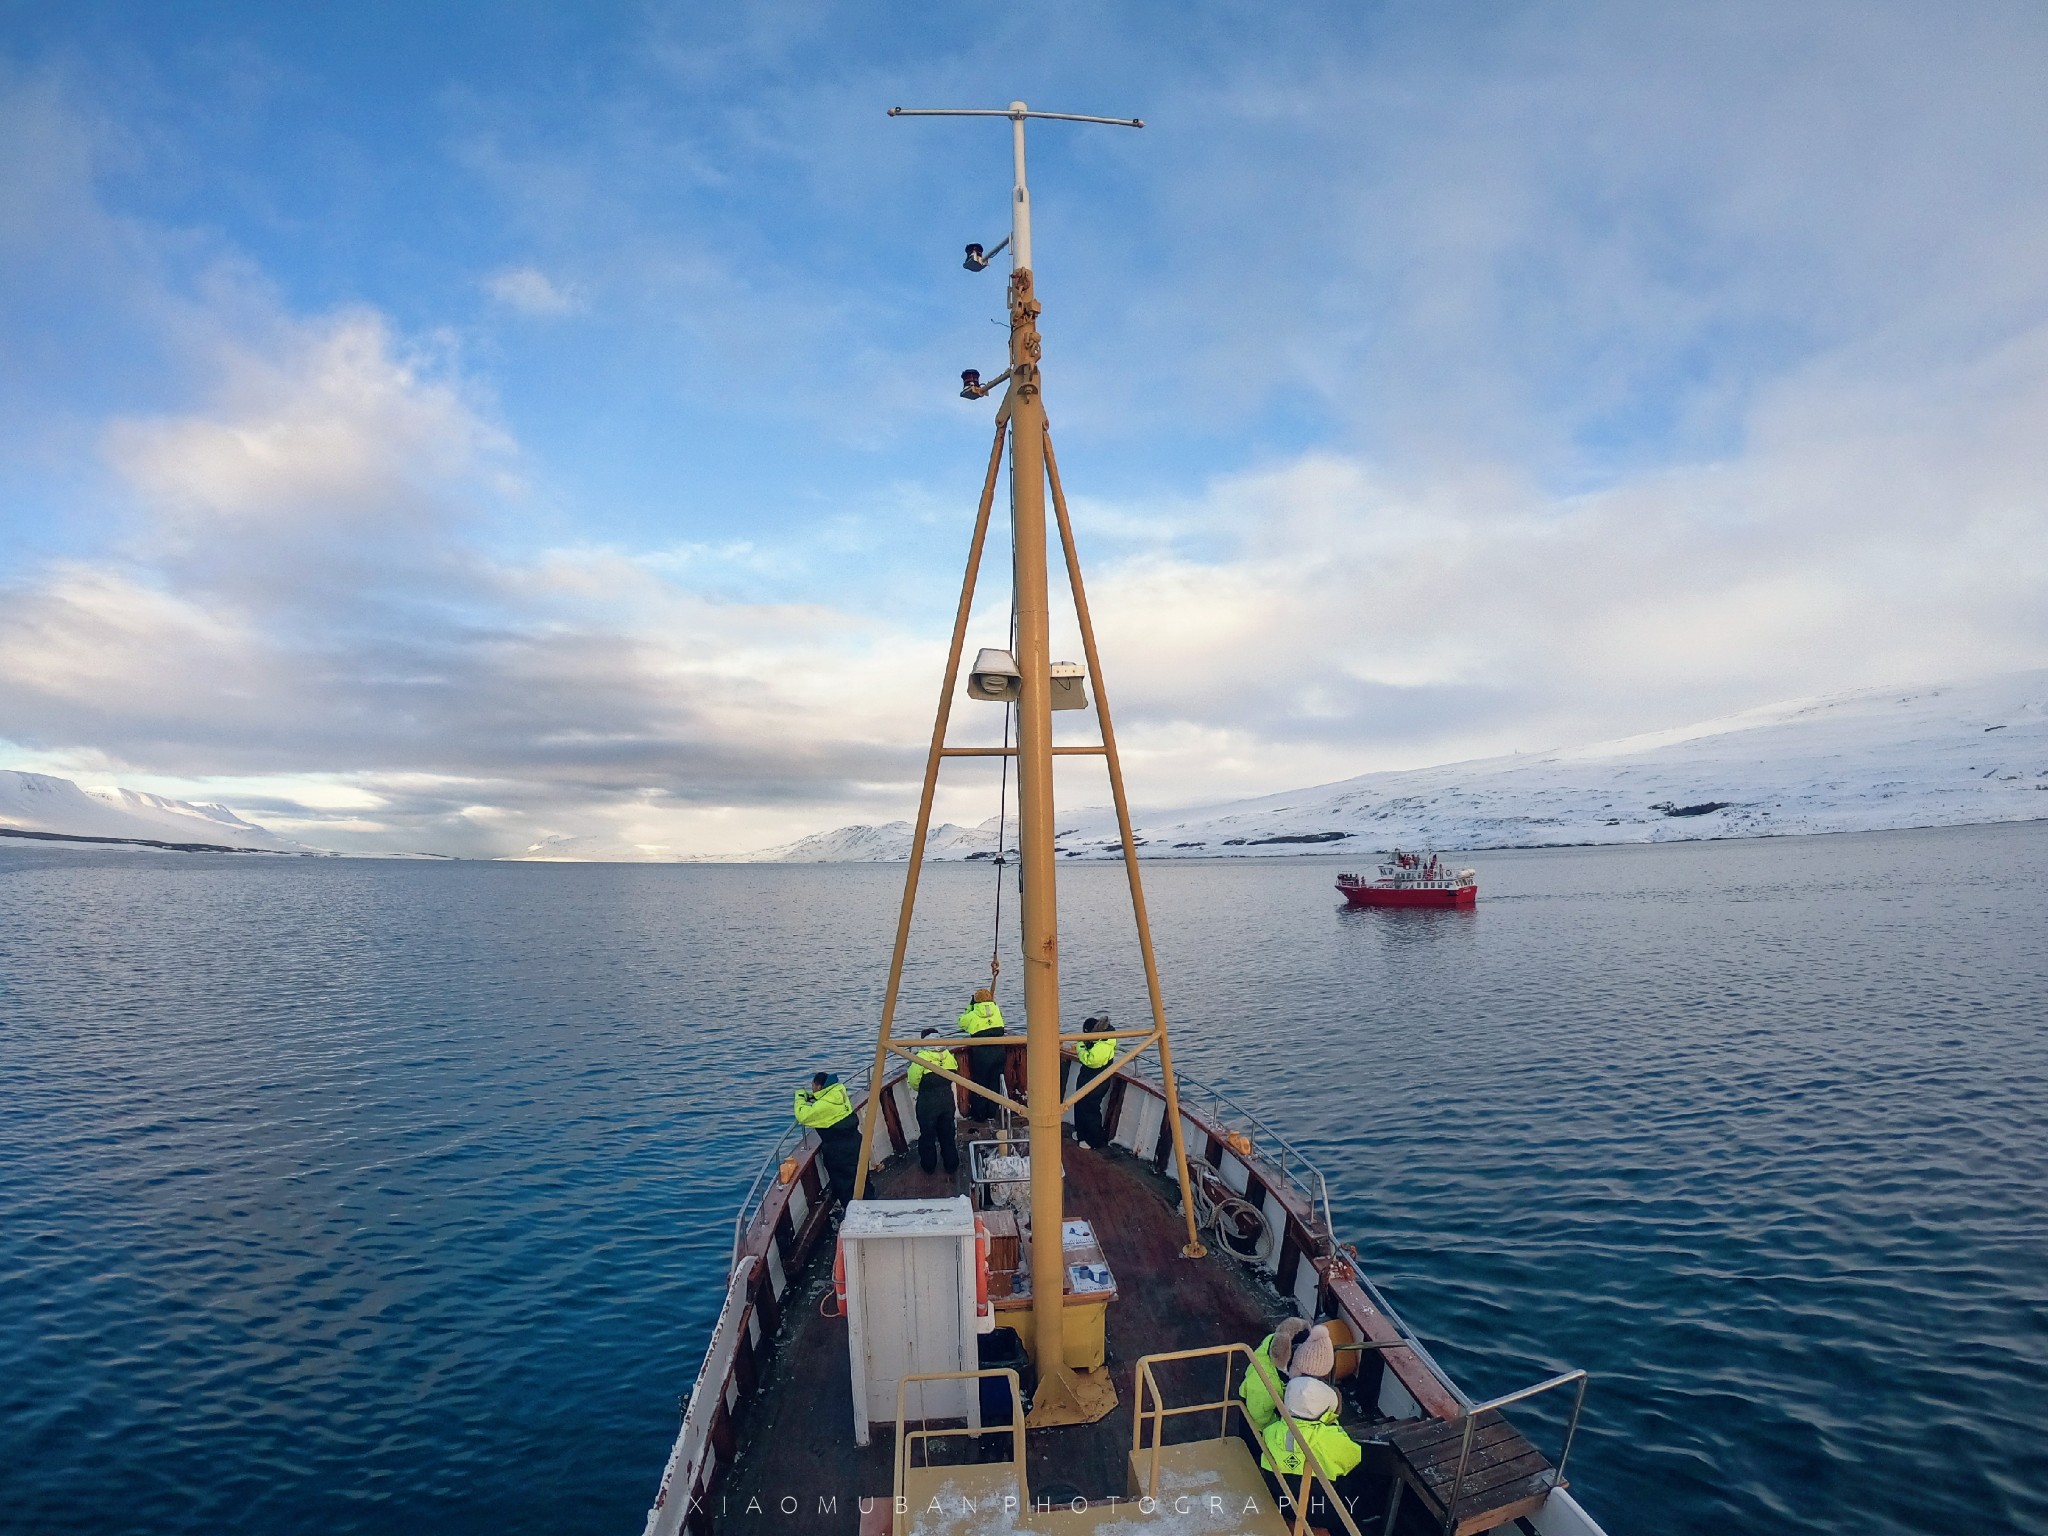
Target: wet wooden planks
x,y
1505,1476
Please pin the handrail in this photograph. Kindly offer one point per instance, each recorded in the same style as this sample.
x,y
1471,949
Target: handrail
x,y
1266,1136
1409,1341
1296,1167
1494,1405
904,1440
1312,1467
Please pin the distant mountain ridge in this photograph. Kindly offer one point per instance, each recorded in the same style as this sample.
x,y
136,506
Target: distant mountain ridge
x,y
40,807
888,843
1868,760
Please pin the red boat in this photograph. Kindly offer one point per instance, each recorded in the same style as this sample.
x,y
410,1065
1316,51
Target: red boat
x,y
1412,880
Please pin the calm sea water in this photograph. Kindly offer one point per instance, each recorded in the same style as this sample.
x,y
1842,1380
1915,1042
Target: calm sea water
x,y
392,1197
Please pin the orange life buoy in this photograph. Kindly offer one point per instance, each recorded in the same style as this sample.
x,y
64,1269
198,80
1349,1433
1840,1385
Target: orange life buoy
x,y
839,1275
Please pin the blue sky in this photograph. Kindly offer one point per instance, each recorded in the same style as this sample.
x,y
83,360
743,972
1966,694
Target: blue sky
x,y
454,426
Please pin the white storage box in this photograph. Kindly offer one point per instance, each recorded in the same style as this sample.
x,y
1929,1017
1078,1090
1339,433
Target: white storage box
x,y
910,1309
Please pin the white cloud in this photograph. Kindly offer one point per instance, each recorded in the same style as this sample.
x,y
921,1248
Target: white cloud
x,y
305,592
532,292
1874,532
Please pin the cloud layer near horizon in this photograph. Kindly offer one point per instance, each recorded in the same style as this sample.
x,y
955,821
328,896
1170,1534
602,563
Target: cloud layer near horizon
x,y
1650,379
306,586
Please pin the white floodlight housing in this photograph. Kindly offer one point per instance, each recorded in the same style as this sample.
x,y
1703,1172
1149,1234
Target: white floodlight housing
x,y
994,677
1069,685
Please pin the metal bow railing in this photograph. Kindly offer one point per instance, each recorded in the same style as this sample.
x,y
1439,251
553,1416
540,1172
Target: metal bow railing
x,y
1494,1405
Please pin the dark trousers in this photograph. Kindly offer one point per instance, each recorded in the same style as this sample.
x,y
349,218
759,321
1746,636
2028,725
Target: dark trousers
x,y
839,1151
935,1126
1088,1110
985,1066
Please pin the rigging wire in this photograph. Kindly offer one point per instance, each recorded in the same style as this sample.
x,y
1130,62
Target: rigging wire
x,y
995,953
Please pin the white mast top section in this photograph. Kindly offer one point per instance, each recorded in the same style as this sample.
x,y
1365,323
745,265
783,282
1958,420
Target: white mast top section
x,y
1020,197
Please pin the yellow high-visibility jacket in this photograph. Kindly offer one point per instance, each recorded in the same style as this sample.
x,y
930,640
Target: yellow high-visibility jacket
x,y
981,1019
1096,1053
938,1058
1258,1402
1336,1452
822,1107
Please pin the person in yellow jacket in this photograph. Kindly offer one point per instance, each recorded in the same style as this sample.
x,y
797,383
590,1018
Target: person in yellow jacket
x,y
1276,1350
1095,1057
934,1105
1312,1403
984,1062
826,1108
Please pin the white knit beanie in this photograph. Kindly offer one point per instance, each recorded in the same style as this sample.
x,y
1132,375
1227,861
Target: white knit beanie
x,y
1309,1398
1315,1355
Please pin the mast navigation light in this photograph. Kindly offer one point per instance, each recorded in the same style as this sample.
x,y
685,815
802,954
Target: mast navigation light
x,y
978,260
1019,239
972,386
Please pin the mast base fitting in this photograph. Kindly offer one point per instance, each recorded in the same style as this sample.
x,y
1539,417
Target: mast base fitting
x,y
1194,1251
1068,1396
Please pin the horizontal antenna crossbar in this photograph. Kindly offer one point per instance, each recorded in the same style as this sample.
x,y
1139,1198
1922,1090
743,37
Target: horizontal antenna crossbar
x,y
1056,117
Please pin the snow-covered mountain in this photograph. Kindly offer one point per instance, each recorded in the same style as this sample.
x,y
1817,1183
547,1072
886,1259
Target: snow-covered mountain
x,y
590,848
886,844
1869,760
39,803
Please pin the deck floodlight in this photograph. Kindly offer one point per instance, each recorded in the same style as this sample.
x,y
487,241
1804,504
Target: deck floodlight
x,y
994,677
1069,685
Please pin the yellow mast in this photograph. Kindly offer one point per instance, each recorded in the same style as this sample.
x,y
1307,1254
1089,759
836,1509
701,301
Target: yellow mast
x,y
1039,908
1064,1396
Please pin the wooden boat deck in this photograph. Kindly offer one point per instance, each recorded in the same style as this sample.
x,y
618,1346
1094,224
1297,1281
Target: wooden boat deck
x,y
796,1438
768,1438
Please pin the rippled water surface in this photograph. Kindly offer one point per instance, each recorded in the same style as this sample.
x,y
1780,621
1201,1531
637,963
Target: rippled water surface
x,y
391,1197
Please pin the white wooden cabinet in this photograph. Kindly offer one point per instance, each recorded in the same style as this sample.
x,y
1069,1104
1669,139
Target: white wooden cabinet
x,y
910,1308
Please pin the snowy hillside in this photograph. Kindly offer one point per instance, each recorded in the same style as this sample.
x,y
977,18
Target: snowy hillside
x,y
885,844
587,848
889,843
1850,762
36,802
